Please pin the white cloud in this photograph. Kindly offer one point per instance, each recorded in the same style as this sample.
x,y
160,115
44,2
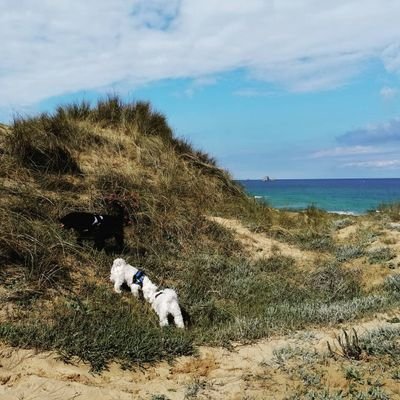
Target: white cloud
x,y
199,83
391,57
346,151
388,93
312,74
376,164
386,132
51,48
251,92
155,14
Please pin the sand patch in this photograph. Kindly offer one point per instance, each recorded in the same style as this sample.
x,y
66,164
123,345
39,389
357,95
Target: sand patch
x,y
347,232
246,371
261,246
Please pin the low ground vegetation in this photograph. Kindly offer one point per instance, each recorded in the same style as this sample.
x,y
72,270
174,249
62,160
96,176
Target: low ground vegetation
x,y
376,378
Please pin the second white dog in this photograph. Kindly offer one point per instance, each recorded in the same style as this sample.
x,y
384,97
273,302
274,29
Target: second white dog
x,y
164,302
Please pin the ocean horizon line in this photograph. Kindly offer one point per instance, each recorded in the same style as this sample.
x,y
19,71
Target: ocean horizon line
x,y
309,179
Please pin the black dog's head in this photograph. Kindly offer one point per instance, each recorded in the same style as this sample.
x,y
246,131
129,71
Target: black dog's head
x,y
65,222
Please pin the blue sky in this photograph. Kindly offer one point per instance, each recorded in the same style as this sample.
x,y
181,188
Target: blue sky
x,y
289,89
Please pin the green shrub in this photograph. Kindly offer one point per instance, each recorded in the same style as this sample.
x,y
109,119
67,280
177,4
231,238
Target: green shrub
x,y
310,240
275,263
349,252
382,341
334,282
392,284
380,255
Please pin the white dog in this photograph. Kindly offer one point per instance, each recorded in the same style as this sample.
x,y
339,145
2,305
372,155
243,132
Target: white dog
x,y
122,272
164,302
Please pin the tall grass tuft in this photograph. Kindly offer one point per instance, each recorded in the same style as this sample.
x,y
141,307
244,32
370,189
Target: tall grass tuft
x,y
41,144
35,246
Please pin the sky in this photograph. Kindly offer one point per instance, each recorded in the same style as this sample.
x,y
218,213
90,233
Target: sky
x,y
284,88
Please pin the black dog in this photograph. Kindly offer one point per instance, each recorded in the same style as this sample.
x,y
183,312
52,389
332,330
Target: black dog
x,y
96,227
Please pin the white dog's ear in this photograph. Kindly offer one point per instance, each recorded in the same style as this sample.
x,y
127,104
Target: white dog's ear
x,y
118,262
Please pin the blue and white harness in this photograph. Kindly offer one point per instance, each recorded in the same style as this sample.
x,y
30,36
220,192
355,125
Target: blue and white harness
x,y
138,280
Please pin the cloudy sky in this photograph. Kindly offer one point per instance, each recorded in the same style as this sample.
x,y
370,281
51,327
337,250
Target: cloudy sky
x,y
285,88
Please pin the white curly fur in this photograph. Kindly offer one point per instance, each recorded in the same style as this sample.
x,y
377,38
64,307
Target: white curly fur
x,y
122,272
164,302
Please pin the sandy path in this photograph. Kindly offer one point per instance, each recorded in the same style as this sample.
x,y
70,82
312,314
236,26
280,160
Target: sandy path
x,y
259,245
216,373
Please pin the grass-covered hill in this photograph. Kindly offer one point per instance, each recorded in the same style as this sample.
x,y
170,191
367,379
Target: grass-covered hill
x,y
57,295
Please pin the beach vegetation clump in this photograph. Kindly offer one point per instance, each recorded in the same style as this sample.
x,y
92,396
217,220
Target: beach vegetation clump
x,y
348,252
391,210
335,282
392,284
310,229
365,365
342,223
34,246
377,342
275,263
380,255
45,143
382,342
312,240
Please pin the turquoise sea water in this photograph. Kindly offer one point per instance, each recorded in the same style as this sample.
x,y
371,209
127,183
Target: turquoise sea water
x,y
355,196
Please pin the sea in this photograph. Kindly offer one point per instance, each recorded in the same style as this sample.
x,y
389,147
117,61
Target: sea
x,y
345,196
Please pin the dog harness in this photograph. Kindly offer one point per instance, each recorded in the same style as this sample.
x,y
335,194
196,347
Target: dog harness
x,y
138,278
97,220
